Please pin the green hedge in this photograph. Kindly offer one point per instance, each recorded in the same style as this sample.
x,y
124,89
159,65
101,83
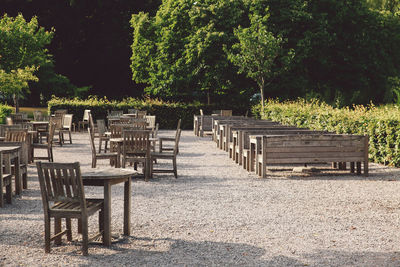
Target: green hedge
x,y
382,124
5,111
167,113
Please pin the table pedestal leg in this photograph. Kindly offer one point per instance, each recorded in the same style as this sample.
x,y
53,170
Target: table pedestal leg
x,y
127,206
107,214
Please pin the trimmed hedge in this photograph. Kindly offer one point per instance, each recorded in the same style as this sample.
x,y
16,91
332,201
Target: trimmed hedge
x,y
167,113
382,124
5,111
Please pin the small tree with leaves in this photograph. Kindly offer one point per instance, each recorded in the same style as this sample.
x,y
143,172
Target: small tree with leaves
x,y
256,52
22,52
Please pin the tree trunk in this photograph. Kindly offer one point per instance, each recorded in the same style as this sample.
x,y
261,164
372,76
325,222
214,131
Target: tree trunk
x,y
262,96
208,97
16,103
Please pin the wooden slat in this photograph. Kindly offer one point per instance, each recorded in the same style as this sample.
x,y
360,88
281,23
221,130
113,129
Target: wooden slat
x,y
312,160
311,143
313,148
305,154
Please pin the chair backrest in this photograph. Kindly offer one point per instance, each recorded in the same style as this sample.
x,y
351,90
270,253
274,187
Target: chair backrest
x,y
67,123
101,127
5,128
151,121
86,115
52,129
9,121
91,122
116,130
61,182
178,127
201,112
16,135
136,142
91,139
38,115
16,118
60,112
58,121
141,113
177,138
116,113
226,112
139,124
132,111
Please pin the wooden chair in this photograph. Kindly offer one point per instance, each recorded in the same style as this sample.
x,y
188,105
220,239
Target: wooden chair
x,y
85,120
58,125
5,182
132,111
19,137
5,128
66,128
48,145
101,127
166,155
16,118
141,113
63,196
38,115
112,156
136,149
151,121
162,140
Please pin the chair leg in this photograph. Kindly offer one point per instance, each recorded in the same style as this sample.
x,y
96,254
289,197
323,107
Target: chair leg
x,y
69,229
174,166
100,142
57,229
94,162
9,193
25,179
85,236
101,224
47,234
70,139
1,195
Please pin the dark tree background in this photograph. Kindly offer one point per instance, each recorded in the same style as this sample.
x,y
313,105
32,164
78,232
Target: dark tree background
x,y
91,46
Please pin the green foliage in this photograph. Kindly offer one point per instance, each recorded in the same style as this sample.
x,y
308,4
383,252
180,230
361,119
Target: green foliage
x,y
256,52
392,6
15,81
179,52
382,123
167,113
5,111
22,51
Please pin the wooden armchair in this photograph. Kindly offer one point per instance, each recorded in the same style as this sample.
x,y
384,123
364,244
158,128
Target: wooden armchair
x,y
112,156
5,182
101,127
166,155
85,120
136,149
63,196
141,113
20,138
48,145
66,128
162,140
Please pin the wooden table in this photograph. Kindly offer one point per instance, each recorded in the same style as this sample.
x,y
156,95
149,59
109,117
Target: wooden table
x,y
13,152
107,177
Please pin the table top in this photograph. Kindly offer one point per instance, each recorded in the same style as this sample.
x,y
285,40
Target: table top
x,y
39,122
9,148
107,173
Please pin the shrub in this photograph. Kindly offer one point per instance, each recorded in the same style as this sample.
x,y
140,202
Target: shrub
x,y
5,111
382,123
167,113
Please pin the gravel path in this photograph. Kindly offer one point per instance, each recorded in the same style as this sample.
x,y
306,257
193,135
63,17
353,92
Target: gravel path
x,y
216,213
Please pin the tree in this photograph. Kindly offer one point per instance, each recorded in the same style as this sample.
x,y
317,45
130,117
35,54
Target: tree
x,y
256,52
22,51
179,51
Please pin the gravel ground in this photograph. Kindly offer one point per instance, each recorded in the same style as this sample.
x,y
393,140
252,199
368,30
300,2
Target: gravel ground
x,y
216,213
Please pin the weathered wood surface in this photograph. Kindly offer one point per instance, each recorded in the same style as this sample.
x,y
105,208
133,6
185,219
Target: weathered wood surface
x,y
315,148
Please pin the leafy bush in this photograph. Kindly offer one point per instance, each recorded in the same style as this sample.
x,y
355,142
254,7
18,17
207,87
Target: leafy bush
x,y
4,112
167,113
382,123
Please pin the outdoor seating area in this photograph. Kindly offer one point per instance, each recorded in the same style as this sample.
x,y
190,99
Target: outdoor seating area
x,y
255,144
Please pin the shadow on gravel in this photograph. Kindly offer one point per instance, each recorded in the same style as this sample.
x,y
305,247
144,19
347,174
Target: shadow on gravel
x,y
152,252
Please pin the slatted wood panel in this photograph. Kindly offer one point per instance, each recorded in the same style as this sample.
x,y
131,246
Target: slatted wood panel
x,y
315,148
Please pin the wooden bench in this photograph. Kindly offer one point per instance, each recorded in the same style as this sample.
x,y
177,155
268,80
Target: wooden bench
x,y
314,148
